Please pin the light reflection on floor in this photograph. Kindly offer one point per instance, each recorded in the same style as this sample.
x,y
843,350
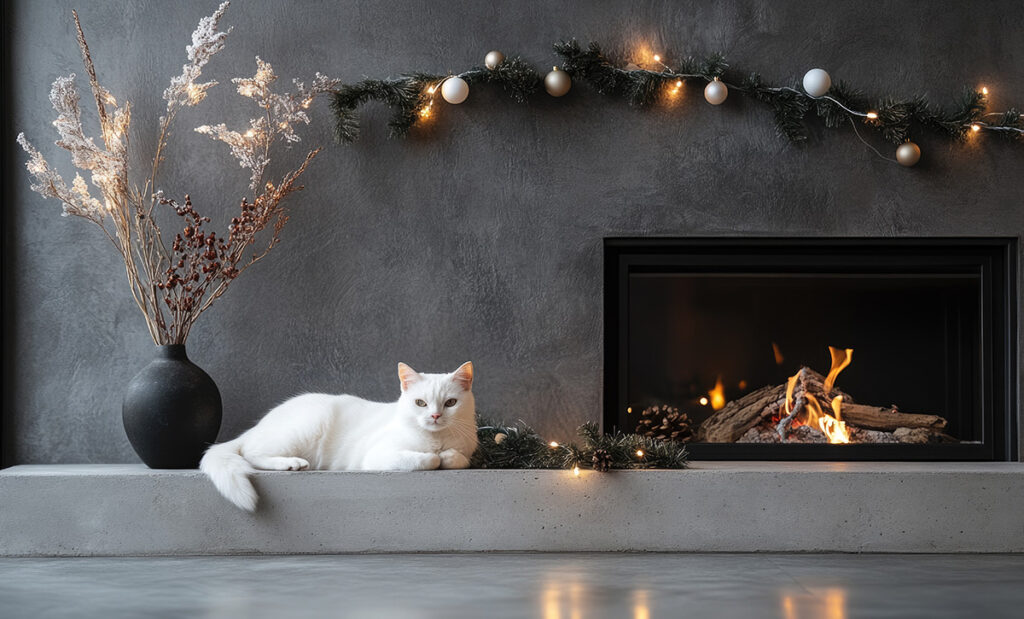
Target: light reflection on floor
x,y
829,603
550,586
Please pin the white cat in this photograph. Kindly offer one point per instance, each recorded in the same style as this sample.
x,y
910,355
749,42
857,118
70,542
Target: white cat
x,y
432,425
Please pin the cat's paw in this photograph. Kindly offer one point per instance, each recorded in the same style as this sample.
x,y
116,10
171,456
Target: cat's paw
x,y
286,464
453,459
426,462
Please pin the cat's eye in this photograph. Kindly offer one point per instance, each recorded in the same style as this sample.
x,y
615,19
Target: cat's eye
x,y
420,403
450,402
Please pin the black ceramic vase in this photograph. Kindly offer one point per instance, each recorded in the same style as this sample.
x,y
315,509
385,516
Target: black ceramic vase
x,y
171,411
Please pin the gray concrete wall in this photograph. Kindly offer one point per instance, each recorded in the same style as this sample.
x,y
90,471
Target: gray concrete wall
x,y
480,239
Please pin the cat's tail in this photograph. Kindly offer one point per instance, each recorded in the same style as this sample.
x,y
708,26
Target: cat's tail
x,y
229,472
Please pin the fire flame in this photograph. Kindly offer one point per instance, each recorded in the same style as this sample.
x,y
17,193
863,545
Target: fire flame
x,y
717,395
832,425
840,359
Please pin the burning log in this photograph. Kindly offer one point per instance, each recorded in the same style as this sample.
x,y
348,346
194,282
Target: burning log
x,y
768,405
888,418
735,418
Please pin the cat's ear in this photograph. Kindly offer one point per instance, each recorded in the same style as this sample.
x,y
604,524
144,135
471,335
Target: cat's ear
x,y
464,376
407,375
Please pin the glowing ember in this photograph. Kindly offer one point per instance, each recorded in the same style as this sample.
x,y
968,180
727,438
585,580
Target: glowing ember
x,y
717,395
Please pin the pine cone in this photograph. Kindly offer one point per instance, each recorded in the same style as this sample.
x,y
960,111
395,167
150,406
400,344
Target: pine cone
x,y
602,460
665,423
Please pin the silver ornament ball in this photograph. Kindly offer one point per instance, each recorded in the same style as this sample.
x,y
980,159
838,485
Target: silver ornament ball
x,y
493,59
557,82
817,82
455,90
716,92
908,154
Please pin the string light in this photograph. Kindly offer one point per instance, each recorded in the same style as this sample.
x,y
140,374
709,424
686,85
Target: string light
x,y
639,453
984,90
703,401
657,58
250,133
872,115
576,470
553,444
975,127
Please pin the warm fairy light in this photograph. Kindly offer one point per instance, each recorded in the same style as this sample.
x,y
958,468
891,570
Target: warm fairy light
x,y
576,470
657,58
553,443
703,401
629,409
975,127
284,125
639,453
432,89
679,83
250,133
984,90
872,115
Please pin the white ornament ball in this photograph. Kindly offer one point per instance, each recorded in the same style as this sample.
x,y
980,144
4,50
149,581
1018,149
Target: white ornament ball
x,y
908,154
817,82
557,82
716,92
493,59
455,90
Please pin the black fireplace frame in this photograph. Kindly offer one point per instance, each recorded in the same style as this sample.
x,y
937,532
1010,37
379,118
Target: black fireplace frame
x,y
994,258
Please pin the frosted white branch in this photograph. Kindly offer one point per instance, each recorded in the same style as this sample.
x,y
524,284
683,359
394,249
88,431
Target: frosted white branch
x,y
185,89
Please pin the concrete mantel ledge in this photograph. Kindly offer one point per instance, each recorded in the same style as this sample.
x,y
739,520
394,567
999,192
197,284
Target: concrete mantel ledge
x,y
78,510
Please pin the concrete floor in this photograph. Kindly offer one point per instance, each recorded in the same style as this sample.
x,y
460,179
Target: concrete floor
x,y
552,586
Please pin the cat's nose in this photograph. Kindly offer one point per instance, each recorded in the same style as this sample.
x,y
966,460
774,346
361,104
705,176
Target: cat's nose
x,y
435,416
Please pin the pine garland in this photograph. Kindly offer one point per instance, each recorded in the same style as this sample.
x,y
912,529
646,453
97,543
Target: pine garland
x,y
518,446
411,97
790,104
410,94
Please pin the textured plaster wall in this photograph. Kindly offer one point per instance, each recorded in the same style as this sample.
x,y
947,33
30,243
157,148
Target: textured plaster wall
x,y
481,237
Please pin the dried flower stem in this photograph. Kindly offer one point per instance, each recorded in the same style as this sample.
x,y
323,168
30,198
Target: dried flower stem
x,y
173,287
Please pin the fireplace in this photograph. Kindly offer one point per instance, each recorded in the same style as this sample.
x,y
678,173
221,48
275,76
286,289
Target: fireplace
x,y
814,349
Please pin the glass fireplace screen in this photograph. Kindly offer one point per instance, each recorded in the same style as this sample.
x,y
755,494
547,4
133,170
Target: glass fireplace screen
x,y
812,349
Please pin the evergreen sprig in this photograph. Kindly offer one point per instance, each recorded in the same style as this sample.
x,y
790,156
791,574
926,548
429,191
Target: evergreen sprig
x,y
520,447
